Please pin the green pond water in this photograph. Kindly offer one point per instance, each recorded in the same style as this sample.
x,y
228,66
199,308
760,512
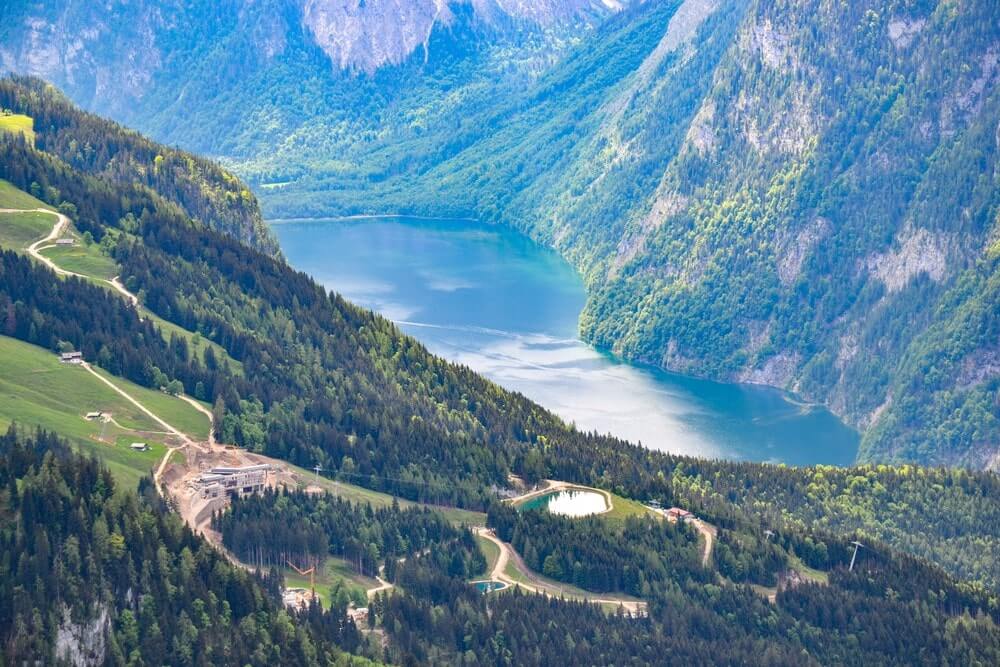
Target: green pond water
x,y
570,502
494,300
489,586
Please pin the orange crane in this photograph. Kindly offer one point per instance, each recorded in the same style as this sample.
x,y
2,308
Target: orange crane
x,y
311,572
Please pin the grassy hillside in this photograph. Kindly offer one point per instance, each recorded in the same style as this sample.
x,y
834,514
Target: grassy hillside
x,y
87,260
19,124
19,230
39,391
12,197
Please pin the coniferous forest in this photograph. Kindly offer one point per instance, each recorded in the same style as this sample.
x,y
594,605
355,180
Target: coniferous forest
x,y
88,570
305,376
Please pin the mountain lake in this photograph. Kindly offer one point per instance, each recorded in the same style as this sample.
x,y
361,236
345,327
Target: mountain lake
x,y
494,300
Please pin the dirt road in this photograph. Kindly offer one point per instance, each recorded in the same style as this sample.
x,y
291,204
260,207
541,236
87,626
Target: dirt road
x,y
708,531
537,585
62,222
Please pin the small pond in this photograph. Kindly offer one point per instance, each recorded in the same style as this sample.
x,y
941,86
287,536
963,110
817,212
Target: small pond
x,y
568,502
489,586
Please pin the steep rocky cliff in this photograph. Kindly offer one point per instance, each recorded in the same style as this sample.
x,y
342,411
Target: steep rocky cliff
x,y
137,60
822,216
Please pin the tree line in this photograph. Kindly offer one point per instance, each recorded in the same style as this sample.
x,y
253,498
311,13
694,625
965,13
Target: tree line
x,y
278,527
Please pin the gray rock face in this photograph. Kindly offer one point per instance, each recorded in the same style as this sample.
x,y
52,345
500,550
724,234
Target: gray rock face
x,y
58,37
83,643
366,34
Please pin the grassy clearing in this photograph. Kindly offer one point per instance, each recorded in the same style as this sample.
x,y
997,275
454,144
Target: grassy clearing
x,y
621,508
88,260
338,568
807,572
18,123
169,408
19,230
11,197
767,592
196,343
333,574
492,553
359,494
38,391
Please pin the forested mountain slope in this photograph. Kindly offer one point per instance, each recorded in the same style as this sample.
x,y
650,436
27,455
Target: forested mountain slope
x,y
290,87
321,381
799,194
796,193
97,146
93,574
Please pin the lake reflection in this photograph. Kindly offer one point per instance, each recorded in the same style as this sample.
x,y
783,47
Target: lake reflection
x,y
569,502
494,300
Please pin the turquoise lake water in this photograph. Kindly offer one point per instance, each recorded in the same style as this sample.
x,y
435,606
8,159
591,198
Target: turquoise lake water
x,y
570,502
489,586
496,301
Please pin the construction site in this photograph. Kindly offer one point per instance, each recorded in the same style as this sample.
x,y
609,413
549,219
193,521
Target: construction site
x,y
211,475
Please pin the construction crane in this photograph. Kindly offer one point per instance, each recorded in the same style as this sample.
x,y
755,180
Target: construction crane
x,y
312,574
857,545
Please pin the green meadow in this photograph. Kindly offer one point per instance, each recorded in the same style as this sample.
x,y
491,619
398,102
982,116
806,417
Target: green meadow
x,y
11,197
15,122
19,230
88,260
36,390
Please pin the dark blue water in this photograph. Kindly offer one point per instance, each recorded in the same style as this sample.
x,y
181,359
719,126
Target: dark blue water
x,y
494,300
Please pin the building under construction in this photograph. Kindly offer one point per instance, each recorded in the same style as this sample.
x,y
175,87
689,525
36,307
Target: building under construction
x,y
240,481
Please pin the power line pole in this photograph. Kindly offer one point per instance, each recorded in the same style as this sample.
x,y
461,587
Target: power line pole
x,y
857,545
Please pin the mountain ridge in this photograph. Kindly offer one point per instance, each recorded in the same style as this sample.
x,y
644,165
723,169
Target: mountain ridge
x,y
796,194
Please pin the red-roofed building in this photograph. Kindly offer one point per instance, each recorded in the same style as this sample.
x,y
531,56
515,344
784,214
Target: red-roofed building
x,y
678,514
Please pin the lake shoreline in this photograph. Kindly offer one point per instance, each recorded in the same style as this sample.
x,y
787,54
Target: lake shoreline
x,y
372,216
489,297
791,397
